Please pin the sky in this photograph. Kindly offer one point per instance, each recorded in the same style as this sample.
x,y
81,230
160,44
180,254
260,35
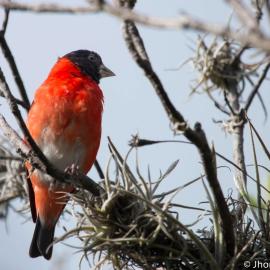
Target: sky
x,y
131,106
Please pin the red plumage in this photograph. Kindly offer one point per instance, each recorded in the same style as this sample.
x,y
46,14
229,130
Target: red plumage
x,y
65,121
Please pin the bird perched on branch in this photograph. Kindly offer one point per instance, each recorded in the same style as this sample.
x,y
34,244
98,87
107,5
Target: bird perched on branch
x,y
65,122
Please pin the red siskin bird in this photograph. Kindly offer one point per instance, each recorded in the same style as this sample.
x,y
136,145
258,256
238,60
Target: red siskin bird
x,y
65,122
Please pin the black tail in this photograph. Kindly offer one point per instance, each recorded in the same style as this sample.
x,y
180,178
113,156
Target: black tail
x,y
42,241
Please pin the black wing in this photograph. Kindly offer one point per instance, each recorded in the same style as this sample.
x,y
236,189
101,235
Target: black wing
x,y
31,195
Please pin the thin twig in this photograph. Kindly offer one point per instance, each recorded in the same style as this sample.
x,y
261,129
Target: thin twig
x,y
217,104
255,38
9,56
5,22
244,14
261,224
266,151
257,87
47,8
263,106
16,74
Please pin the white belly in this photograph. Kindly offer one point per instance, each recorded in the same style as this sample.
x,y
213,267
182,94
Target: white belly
x,y
60,153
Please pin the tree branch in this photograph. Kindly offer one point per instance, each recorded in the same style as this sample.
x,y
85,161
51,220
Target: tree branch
x,y
257,87
5,22
217,104
134,43
245,15
11,61
254,38
47,8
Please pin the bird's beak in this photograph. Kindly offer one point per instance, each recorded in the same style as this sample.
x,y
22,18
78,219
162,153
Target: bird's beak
x,y
105,72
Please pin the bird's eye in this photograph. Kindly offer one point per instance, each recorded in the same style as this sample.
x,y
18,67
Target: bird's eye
x,y
91,58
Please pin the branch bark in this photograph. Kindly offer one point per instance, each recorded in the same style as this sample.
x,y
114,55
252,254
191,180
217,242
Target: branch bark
x,y
254,38
196,136
11,61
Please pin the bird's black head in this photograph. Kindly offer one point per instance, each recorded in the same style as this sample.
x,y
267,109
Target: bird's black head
x,y
90,63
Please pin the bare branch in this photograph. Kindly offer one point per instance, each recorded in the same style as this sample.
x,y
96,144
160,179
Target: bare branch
x,y
254,38
131,34
257,87
14,138
244,14
47,8
217,104
16,112
11,61
5,22
196,136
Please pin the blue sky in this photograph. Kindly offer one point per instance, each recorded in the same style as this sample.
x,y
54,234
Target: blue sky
x,y
131,105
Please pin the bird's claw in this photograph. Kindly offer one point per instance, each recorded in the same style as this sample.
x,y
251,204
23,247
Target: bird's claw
x,y
72,170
